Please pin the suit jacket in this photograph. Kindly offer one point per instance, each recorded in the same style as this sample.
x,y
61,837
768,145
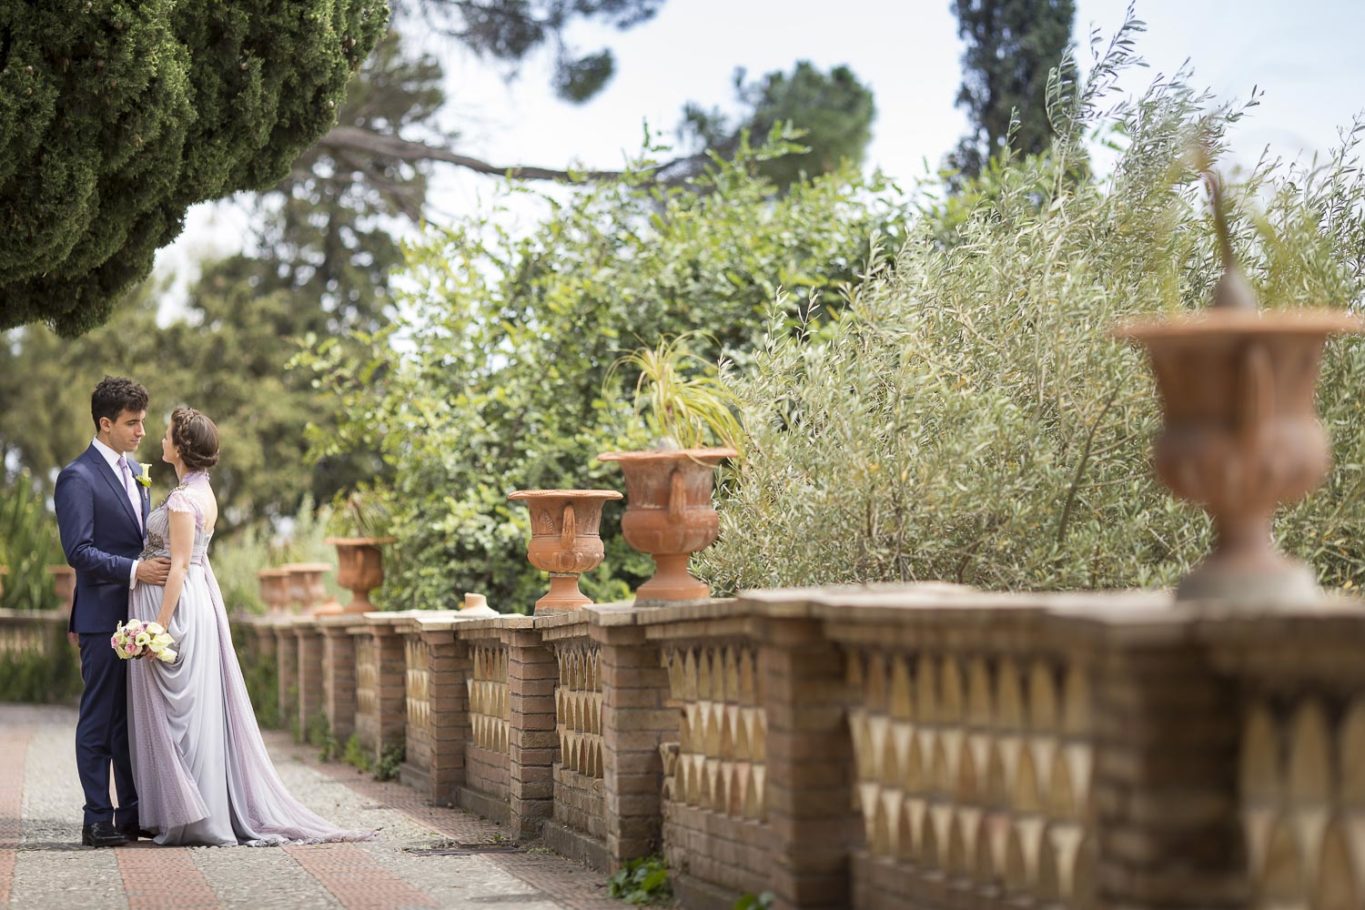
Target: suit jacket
x,y
101,537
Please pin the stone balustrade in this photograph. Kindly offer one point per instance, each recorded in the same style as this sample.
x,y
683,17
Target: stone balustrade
x,y
888,746
24,632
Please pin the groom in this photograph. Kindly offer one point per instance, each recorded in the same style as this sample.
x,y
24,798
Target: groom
x,y
102,508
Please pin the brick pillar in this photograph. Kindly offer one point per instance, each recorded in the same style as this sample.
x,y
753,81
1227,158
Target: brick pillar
x,y
390,686
338,677
287,653
449,668
1166,776
309,676
810,766
636,718
531,744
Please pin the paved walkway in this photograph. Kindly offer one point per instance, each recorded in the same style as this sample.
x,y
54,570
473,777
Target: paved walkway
x,y
423,856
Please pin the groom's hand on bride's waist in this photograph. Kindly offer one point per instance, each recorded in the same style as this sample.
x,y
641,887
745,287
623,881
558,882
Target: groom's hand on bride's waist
x,y
153,571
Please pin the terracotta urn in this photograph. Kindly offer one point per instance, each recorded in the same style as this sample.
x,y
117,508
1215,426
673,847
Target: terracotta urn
x,y
564,541
64,584
308,579
295,587
669,515
360,569
1241,434
274,589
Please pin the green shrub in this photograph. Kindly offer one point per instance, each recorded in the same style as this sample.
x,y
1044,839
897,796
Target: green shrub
x,y
642,881
356,755
28,545
492,379
52,675
262,678
390,760
969,418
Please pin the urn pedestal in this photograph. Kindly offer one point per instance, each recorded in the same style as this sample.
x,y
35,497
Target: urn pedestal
x,y
669,515
360,569
565,541
1241,436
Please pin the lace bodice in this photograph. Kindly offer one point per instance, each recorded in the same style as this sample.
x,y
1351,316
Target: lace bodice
x,y
159,526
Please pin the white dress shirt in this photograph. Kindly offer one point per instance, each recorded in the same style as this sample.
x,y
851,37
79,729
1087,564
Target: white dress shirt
x,y
112,458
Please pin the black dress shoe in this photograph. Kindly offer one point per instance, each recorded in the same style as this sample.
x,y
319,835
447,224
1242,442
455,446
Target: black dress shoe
x,y
133,832
102,834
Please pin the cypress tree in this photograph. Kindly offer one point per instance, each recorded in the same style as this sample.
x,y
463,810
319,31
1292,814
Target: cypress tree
x,y
1011,45
117,115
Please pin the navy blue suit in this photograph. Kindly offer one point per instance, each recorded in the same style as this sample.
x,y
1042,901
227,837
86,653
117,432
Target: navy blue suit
x,y
102,538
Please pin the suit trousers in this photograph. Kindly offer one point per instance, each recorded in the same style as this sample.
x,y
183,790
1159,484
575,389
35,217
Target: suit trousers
x,y
102,733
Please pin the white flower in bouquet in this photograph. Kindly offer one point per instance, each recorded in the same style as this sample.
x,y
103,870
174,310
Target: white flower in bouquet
x,y
134,638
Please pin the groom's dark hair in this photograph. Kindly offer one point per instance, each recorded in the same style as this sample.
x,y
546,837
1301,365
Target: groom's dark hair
x,y
113,396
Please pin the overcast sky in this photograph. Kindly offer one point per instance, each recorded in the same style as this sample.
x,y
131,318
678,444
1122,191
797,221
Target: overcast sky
x,y
1305,55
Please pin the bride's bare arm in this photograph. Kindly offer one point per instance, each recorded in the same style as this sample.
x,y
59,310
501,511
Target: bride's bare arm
x,y
182,544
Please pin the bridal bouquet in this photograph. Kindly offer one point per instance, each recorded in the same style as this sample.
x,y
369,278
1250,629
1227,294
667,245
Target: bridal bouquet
x,y
136,638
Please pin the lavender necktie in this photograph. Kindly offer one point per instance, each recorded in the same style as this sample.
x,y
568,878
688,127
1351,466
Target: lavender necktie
x,y
128,485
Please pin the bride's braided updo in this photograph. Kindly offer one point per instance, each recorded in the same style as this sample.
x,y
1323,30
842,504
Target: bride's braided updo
x,y
195,438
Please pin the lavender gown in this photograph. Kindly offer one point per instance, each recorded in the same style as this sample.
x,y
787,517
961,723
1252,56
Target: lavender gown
x,y
202,772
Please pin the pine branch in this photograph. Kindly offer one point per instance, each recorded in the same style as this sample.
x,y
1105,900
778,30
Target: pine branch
x,y
344,139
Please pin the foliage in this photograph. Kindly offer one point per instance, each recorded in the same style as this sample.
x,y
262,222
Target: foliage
x,y
237,559
360,513
390,760
321,266
510,30
750,901
833,113
28,545
641,881
319,735
262,677
684,411
492,378
971,419
48,676
115,117
1011,45
356,755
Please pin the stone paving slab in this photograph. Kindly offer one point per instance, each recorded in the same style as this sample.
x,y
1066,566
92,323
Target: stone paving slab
x,y
410,863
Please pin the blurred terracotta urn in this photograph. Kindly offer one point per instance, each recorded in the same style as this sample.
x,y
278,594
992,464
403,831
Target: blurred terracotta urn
x,y
669,514
274,589
310,590
564,541
64,585
360,569
1241,434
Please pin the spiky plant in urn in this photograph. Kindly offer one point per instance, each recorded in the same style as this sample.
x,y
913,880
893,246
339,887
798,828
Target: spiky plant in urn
x,y
1241,434
358,533
565,541
668,488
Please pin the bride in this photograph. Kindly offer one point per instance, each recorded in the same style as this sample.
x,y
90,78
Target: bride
x,y
201,769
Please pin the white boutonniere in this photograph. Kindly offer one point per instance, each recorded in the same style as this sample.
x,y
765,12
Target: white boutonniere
x,y
145,478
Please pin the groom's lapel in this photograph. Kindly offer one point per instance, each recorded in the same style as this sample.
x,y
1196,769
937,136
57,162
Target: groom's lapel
x,y
115,482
